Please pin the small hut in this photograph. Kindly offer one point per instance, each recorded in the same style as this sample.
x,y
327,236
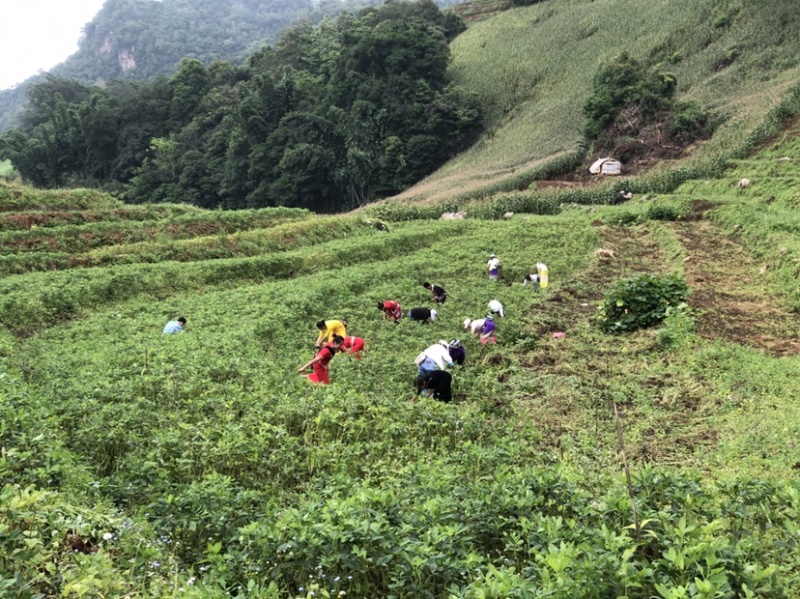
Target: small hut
x,y
606,166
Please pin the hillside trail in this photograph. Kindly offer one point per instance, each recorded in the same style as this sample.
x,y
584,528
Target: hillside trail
x,y
732,300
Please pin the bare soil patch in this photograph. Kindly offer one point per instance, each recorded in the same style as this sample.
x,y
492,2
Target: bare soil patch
x,y
732,302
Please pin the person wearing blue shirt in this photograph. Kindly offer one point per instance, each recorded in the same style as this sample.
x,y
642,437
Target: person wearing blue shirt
x,y
175,326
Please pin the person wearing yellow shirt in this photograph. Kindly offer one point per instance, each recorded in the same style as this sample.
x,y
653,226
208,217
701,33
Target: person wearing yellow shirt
x,y
329,328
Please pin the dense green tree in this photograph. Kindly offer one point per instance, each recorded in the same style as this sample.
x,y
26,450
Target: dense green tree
x,y
329,118
188,86
42,98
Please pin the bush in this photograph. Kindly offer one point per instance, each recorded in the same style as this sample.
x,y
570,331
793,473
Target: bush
x,y
640,302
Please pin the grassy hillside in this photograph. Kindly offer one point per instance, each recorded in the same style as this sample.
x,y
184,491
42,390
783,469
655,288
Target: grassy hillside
x,y
532,68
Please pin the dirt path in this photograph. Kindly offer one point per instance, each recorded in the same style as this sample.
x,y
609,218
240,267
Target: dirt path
x,y
726,288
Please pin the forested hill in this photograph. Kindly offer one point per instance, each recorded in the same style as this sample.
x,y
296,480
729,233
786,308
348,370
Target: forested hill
x,y
369,106
137,40
328,118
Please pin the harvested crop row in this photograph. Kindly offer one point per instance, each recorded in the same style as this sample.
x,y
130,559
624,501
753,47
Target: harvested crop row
x,y
216,247
22,221
82,238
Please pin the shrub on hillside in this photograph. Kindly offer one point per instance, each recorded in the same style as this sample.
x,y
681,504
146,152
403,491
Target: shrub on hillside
x,y
640,302
632,108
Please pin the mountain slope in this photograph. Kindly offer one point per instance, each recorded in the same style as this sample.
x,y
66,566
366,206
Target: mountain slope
x,y
533,68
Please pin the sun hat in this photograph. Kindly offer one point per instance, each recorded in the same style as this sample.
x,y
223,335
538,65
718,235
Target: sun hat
x,y
434,313
467,322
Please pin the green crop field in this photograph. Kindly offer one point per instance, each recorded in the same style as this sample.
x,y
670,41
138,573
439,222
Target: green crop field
x,y
203,465
572,462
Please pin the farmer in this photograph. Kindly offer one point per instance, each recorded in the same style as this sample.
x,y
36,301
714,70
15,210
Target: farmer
x,y
496,307
319,363
329,328
436,384
175,326
474,325
423,315
487,334
458,353
439,294
425,364
391,309
355,345
541,268
439,353
493,267
533,279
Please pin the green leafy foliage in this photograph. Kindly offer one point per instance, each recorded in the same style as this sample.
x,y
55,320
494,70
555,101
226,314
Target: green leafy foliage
x,y
640,302
631,102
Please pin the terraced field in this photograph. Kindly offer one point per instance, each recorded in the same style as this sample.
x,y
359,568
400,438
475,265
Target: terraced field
x,y
203,465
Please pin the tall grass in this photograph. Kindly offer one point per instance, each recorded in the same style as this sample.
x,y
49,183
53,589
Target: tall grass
x,y
533,67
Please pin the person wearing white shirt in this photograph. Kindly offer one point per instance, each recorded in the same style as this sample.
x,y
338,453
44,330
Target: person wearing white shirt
x,y
439,353
474,325
495,307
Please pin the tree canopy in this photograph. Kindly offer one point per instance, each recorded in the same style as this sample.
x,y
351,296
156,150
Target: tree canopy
x,y
328,118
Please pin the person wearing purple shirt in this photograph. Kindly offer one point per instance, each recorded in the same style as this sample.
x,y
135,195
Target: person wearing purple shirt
x,y
488,331
458,353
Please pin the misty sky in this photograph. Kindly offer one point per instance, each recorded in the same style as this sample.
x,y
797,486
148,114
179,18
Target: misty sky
x,y
38,34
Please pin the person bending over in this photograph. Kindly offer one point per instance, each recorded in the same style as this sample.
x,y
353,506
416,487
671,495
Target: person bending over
x,y
436,384
329,328
422,315
391,309
439,294
175,326
321,361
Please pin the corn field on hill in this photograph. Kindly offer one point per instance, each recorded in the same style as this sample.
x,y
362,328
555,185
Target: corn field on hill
x,y
532,68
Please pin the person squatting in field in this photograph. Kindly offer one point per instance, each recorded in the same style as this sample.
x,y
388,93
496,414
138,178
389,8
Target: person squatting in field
x,y
436,384
484,328
495,307
320,363
474,325
488,330
422,315
355,345
391,309
533,279
437,354
329,328
175,326
439,294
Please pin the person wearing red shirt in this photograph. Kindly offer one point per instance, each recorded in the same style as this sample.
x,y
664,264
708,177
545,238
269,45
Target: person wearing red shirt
x,y
319,363
355,345
391,309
